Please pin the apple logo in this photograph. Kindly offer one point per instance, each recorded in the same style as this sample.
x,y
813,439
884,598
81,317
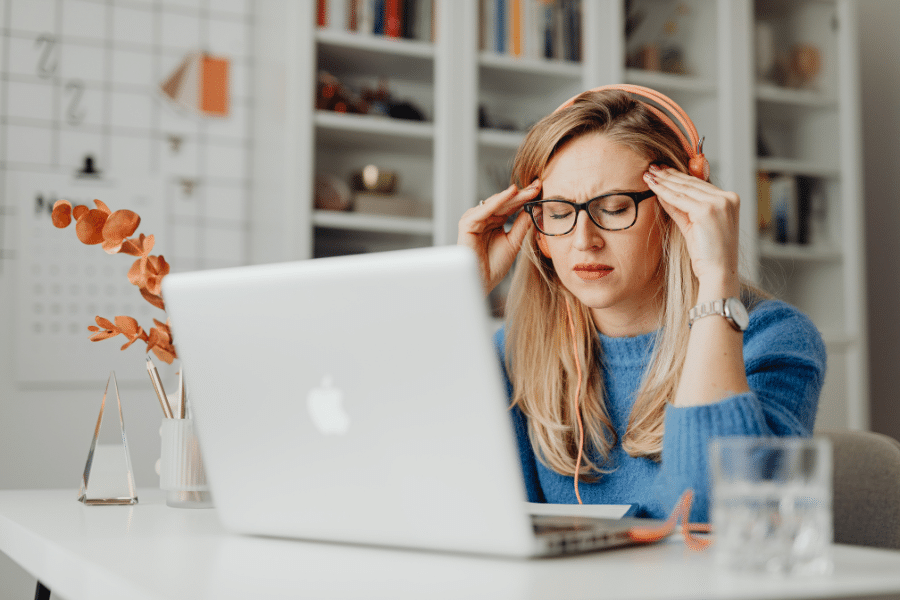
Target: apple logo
x,y
326,407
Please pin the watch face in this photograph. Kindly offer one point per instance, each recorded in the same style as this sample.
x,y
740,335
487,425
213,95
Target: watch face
x,y
738,313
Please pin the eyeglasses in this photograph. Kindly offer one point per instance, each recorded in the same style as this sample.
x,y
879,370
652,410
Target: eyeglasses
x,y
611,212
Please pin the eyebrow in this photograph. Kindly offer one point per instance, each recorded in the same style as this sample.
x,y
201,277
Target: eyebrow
x,y
616,191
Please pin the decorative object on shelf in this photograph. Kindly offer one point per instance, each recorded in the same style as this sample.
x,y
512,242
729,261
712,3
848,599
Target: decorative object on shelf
x,y
390,204
108,478
199,84
379,101
372,179
798,68
331,94
111,230
331,193
658,50
806,63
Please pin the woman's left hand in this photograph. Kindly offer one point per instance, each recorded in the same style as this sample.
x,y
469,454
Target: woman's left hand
x,y
707,216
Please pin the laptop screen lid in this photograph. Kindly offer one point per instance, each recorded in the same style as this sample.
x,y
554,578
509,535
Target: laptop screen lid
x,y
353,399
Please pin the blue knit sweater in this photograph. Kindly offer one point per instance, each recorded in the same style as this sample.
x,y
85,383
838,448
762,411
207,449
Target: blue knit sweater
x,y
785,359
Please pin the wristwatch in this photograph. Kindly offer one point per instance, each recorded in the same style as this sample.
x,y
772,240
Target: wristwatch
x,y
730,308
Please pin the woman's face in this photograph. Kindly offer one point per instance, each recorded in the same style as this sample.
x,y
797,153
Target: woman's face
x,y
614,273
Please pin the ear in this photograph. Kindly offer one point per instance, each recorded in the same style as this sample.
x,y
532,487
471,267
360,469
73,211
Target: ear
x,y
542,244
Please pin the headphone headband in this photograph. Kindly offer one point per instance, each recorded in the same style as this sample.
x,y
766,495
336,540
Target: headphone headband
x,y
669,113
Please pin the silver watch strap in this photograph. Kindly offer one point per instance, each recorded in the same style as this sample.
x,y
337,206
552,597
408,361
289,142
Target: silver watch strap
x,y
705,309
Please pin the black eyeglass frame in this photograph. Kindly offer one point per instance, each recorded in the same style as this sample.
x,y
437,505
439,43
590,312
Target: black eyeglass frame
x,y
636,197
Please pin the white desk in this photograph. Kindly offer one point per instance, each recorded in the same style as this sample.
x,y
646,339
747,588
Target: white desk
x,y
151,551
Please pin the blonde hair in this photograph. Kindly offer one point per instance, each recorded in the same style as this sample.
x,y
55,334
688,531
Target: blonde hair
x,y
539,345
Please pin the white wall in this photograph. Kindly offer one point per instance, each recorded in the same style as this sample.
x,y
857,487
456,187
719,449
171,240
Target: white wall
x,y
880,81
119,51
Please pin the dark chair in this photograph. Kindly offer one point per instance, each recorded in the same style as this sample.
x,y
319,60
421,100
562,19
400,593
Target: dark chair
x,y
866,501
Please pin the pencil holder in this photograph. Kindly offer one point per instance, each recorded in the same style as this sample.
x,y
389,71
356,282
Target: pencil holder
x,y
181,472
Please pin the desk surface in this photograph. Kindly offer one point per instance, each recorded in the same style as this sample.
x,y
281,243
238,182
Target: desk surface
x,y
151,551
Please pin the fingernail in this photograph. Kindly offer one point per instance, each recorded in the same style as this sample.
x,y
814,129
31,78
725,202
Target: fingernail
x,y
534,184
655,168
649,176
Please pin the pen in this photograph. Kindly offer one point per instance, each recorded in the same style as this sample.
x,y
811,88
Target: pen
x,y
182,396
158,387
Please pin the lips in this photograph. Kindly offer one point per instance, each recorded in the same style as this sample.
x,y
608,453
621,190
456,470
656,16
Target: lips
x,y
589,271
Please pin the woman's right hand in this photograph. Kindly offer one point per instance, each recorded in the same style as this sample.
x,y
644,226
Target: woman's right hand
x,y
481,228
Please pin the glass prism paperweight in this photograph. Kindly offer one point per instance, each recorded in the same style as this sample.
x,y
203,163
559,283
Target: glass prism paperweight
x,y
108,478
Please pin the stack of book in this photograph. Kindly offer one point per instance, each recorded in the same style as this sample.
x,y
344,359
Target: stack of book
x,y
410,19
537,29
790,208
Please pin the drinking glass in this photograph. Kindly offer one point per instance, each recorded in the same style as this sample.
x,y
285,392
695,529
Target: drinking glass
x,y
771,504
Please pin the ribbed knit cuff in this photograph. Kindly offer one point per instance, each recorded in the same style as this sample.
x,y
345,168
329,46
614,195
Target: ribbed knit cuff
x,y
685,456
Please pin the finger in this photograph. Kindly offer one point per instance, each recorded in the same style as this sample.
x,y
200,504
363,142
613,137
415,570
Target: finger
x,y
511,199
520,228
685,183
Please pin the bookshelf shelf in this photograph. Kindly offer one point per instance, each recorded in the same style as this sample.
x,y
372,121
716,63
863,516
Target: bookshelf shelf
x,y
667,82
547,67
365,54
796,167
366,222
494,139
373,132
797,252
792,97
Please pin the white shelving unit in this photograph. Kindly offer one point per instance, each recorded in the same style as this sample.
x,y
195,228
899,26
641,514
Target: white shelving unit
x,y
814,132
449,162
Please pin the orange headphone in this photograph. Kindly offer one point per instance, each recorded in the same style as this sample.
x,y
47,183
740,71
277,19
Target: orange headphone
x,y
669,113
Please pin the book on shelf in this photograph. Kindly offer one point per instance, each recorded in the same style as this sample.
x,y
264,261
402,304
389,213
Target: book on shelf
x,y
791,209
409,19
394,205
537,29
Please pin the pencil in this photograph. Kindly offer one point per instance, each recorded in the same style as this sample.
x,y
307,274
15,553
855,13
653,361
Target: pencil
x,y
160,390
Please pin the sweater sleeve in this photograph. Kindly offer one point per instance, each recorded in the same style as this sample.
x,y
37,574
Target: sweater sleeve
x,y
520,427
785,360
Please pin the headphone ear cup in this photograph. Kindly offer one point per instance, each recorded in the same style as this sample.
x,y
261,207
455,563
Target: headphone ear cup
x,y
699,167
542,244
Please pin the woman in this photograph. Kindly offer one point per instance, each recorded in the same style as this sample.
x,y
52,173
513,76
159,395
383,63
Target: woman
x,y
616,384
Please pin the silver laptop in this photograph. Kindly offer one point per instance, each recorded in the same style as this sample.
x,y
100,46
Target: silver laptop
x,y
359,399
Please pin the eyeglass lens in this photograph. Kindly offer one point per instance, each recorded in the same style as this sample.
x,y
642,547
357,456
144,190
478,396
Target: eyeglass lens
x,y
609,212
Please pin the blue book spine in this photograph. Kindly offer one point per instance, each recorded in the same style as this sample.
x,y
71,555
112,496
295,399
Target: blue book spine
x,y
378,27
501,26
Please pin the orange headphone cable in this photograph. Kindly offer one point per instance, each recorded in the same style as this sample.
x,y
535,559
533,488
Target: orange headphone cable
x,y
577,398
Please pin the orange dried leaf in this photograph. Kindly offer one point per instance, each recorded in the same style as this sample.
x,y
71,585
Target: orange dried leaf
x,y
103,335
164,355
79,211
102,207
153,299
89,227
62,214
117,228
130,247
104,323
127,325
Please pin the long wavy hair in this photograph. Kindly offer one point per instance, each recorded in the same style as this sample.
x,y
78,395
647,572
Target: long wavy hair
x,y
539,345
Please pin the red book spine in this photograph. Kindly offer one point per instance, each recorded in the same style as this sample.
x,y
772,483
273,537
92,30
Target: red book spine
x,y
393,21
322,13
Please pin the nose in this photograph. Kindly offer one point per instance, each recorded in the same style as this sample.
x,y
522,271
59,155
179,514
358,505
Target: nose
x,y
586,235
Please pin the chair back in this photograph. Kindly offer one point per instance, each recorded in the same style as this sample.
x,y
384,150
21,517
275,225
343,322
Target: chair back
x,y
866,502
